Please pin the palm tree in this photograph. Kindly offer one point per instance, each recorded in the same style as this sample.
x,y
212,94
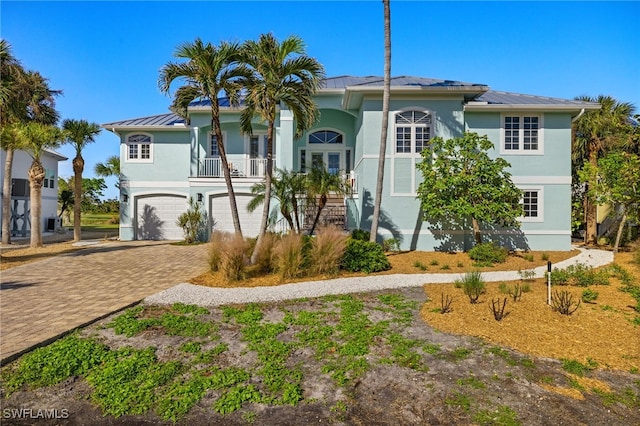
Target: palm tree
x,y
281,73
79,133
595,133
208,71
111,167
286,186
36,139
320,184
25,96
385,120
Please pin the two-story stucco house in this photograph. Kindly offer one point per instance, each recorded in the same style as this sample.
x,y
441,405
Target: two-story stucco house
x,y
165,159
20,224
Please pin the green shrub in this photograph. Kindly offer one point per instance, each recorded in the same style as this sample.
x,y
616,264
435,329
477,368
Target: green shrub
x,y
326,251
391,244
472,285
193,221
360,234
364,256
488,252
545,256
291,256
560,277
588,296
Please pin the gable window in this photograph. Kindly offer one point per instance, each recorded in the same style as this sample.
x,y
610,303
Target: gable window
x,y
413,132
214,151
139,148
522,134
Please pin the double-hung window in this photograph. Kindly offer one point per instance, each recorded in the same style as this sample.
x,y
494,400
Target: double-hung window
x,y
139,148
522,134
413,132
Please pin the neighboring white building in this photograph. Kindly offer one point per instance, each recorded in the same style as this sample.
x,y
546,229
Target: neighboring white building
x,y
20,199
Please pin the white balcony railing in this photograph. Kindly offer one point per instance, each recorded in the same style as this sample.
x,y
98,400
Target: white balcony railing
x,y
245,167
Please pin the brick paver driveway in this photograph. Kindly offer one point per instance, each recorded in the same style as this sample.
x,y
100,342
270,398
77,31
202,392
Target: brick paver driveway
x,y
41,300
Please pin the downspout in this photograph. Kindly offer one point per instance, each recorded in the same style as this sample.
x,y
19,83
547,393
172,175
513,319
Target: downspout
x,y
574,119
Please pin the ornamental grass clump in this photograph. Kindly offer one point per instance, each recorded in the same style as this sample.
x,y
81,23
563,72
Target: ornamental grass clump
x,y
472,284
291,256
267,259
326,251
217,245
234,259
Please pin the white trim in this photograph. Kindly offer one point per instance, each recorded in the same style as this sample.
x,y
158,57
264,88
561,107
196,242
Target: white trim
x,y
540,191
157,184
541,180
521,150
483,232
128,144
528,107
262,144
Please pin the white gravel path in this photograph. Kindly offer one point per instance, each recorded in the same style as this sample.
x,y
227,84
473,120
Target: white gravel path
x,y
207,296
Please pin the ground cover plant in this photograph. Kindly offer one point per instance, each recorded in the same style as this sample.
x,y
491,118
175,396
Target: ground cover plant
x,y
366,358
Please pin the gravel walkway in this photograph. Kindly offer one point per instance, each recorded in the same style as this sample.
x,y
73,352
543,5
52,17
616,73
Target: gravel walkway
x,y
207,296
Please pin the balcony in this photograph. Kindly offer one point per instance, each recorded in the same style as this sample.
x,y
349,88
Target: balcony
x,y
239,167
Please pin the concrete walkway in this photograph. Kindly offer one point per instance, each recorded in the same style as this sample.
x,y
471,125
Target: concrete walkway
x,y
207,296
40,301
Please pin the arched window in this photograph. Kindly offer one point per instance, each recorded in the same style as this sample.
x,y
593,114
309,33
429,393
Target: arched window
x,y
139,148
413,131
325,137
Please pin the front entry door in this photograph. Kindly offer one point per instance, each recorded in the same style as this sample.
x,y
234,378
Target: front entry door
x,y
330,160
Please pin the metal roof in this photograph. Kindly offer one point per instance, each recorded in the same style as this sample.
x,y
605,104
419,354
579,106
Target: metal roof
x,y
345,81
169,119
493,97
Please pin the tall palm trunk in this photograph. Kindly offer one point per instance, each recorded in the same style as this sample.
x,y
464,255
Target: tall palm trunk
x,y
36,178
385,120
225,169
321,205
6,198
267,190
78,168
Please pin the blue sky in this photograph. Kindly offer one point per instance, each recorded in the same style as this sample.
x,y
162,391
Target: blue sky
x,y
105,56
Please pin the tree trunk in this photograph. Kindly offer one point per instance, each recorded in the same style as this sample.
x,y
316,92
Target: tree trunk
x,y
78,168
321,205
6,198
385,121
36,177
267,192
591,209
620,228
225,167
476,230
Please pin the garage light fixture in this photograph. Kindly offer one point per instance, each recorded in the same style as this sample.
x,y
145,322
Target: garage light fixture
x,y
200,197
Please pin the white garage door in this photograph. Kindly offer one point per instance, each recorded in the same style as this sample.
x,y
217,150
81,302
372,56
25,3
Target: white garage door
x,y
221,213
156,217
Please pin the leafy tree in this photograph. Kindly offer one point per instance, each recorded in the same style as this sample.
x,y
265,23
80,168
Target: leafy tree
x,y
386,94
279,73
462,182
36,138
320,184
616,181
79,133
208,71
109,168
91,192
594,134
25,97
